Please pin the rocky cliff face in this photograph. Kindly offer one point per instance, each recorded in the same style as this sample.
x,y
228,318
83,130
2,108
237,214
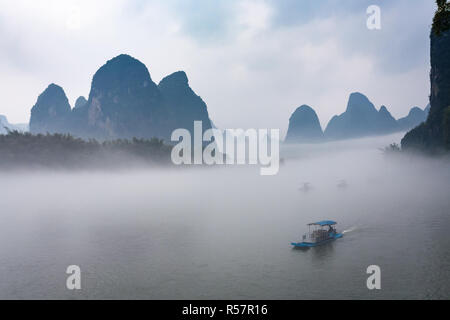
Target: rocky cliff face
x,y
434,134
304,126
50,112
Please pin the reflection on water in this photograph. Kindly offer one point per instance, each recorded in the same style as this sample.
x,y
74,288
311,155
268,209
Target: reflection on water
x,y
226,233
323,254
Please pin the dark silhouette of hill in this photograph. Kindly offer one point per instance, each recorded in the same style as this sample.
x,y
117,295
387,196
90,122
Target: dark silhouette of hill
x,y
81,102
360,119
386,122
304,126
182,105
434,134
51,111
124,102
415,117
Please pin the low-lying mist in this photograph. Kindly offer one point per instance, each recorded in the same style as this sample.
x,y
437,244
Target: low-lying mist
x,y
225,232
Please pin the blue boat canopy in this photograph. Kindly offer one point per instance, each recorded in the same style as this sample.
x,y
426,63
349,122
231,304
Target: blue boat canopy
x,y
323,223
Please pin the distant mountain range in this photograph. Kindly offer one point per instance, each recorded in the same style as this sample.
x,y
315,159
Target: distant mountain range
x,y
360,119
123,102
22,127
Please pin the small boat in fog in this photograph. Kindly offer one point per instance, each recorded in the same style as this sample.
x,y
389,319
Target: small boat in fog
x,y
342,184
306,187
321,233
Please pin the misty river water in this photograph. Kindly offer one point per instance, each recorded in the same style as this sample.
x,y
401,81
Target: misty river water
x,y
225,232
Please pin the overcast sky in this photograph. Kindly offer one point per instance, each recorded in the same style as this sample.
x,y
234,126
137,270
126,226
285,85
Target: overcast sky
x,y
253,61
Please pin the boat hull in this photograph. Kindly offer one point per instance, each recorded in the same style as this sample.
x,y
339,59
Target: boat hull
x,y
315,244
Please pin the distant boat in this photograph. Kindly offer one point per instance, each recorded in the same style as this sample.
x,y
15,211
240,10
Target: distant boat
x,y
306,187
319,235
342,184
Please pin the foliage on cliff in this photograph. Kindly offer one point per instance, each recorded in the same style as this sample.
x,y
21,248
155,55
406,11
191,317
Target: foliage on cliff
x,y
441,21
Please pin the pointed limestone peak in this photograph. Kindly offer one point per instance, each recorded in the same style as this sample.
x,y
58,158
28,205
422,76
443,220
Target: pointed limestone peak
x,y
81,102
122,75
174,80
359,102
50,110
304,126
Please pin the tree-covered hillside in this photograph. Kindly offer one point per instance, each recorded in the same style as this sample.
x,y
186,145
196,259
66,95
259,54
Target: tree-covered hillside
x,y
59,151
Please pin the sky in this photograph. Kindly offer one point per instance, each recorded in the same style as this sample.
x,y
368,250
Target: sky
x,y
252,61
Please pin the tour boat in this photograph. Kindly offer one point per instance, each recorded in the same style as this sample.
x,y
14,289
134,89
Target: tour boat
x,y
319,235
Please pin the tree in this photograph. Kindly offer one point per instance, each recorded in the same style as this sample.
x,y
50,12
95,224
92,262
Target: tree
x,y
441,20
441,4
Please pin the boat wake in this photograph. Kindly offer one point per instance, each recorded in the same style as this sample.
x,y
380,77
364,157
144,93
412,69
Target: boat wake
x,y
349,230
